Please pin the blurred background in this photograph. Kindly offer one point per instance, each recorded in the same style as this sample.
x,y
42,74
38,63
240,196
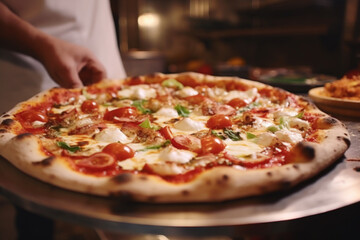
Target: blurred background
x,y
238,37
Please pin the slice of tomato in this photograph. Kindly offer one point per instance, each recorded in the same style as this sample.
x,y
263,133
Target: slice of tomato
x,y
97,161
224,109
219,121
187,142
119,151
196,99
89,106
212,144
166,132
123,112
237,103
28,117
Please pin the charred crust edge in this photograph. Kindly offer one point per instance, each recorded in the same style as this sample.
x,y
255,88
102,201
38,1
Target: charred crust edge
x,y
45,162
345,139
7,122
306,150
23,136
122,178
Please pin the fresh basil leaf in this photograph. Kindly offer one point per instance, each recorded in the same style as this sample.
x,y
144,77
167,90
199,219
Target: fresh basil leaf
x,y
300,115
182,111
147,124
273,128
235,136
249,107
217,134
155,147
172,83
250,135
139,104
66,146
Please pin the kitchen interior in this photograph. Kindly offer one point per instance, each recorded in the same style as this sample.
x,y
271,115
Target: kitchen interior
x,y
248,38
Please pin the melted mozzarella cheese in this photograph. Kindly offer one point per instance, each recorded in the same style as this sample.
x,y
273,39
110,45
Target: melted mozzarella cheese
x,y
166,112
298,123
284,113
171,154
111,134
187,124
141,91
241,148
266,139
289,135
248,95
186,92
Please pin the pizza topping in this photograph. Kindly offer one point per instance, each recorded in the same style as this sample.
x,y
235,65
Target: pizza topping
x,y
111,134
66,146
120,114
298,123
166,132
237,103
167,169
182,111
119,151
187,142
219,121
172,83
147,124
187,92
97,161
187,124
235,136
89,106
291,136
141,91
212,144
139,104
248,96
171,154
266,139
167,112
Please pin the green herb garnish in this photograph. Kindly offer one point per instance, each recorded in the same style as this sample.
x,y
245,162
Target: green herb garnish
x,y
66,146
155,147
300,114
273,128
139,104
217,134
172,83
147,124
235,136
250,135
182,111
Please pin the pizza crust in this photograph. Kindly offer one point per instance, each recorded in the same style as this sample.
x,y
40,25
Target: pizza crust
x,y
217,184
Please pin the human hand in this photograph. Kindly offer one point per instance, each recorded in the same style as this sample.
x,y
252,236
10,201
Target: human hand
x,y
69,65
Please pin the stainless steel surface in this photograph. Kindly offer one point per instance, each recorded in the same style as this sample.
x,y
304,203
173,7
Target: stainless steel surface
x,y
337,187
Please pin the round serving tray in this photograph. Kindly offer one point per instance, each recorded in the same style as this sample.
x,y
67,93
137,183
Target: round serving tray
x,y
335,106
335,188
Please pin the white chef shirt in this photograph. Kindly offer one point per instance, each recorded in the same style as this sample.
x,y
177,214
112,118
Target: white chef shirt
x,y
87,23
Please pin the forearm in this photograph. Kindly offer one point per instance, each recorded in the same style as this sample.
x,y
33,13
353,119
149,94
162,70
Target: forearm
x,y
20,36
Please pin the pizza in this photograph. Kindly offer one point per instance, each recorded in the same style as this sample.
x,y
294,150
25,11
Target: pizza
x,y
347,88
183,137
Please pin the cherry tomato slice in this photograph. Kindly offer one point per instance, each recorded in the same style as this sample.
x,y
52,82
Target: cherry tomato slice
x,y
237,103
166,132
219,121
212,144
196,99
123,112
97,161
187,142
89,106
119,151
224,109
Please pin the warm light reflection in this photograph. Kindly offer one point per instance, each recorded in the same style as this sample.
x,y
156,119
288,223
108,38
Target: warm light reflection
x,y
149,20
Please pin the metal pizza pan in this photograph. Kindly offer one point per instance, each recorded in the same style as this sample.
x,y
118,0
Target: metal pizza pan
x,y
333,189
